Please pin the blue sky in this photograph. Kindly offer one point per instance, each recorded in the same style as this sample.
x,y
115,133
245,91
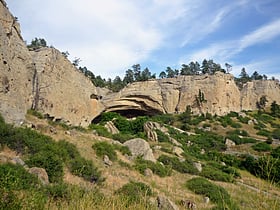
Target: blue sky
x,y
109,36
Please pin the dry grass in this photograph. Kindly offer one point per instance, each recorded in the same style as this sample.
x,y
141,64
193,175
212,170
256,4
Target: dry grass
x,y
172,187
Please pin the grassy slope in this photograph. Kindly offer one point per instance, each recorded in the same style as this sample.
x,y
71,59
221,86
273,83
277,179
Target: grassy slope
x,y
172,187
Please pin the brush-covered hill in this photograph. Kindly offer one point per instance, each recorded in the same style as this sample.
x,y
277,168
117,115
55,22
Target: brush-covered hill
x,y
163,162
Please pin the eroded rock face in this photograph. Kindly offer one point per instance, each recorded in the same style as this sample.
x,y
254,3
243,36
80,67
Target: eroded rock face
x,y
15,69
173,95
64,92
42,79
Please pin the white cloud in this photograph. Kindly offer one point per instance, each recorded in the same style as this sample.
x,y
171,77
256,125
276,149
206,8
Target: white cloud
x,y
262,34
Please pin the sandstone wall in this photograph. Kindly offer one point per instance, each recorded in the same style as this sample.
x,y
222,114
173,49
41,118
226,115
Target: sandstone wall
x,y
173,95
43,79
15,69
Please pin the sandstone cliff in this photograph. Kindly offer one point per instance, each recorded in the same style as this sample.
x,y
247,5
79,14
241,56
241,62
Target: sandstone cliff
x,y
16,69
42,79
221,95
45,80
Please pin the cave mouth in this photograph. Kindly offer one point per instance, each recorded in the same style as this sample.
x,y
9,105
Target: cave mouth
x,y
129,113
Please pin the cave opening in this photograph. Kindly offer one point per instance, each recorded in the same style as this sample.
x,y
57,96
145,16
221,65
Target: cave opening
x,y
130,113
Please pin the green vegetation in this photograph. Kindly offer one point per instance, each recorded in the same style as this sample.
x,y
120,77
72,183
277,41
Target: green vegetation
x,y
135,192
262,147
217,194
157,168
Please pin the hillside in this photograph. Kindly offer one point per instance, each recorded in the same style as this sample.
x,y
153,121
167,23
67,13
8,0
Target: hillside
x,y
187,142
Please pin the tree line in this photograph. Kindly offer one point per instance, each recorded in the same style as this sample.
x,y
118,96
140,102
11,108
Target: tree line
x,y
136,74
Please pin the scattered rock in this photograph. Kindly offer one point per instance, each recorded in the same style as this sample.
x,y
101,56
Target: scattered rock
x,y
198,166
189,143
178,151
17,160
206,200
202,152
188,204
223,163
149,129
175,142
229,143
107,161
148,172
157,147
140,147
165,204
41,174
53,130
111,128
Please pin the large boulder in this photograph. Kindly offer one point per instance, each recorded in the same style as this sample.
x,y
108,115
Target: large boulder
x,y
166,204
41,174
140,147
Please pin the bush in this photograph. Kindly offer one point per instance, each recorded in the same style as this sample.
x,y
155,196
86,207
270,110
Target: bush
x,y
216,193
35,113
238,132
58,191
101,130
162,137
264,132
15,177
215,174
122,137
108,116
104,148
168,119
85,169
275,153
276,134
135,192
176,164
261,147
162,171
49,161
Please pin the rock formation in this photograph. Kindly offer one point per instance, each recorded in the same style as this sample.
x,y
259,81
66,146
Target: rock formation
x,y
46,81
173,95
42,79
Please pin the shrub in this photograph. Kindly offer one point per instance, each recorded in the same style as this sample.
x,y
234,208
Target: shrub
x,y
264,132
135,192
238,132
35,113
215,174
261,147
58,191
243,120
15,177
49,161
276,152
162,137
162,171
176,164
164,118
276,133
85,169
108,116
123,125
101,130
216,193
104,148
122,137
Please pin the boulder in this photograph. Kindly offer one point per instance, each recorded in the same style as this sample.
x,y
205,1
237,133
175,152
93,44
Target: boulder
x,y
166,204
149,129
111,128
148,172
178,151
229,143
107,161
140,147
40,173
198,166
